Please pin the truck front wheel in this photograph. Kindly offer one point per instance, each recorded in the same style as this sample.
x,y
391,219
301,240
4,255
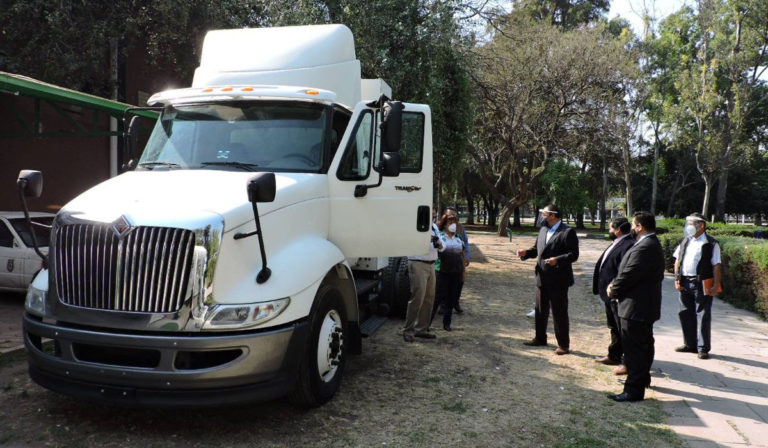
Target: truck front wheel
x,y
321,368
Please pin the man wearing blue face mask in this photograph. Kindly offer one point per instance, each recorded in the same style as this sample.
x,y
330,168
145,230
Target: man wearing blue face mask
x,y
697,276
556,248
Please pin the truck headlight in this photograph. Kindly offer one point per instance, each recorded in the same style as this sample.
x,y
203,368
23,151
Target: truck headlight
x,y
224,317
35,301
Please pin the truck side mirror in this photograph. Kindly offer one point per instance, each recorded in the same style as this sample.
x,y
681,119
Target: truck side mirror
x,y
30,183
262,187
390,164
130,136
391,126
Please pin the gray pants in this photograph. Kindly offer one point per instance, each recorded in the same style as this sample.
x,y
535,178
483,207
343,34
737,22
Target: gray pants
x,y
419,312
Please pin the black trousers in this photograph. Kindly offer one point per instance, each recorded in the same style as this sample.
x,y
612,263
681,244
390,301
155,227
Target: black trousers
x,y
613,320
447,294
556,298
637,340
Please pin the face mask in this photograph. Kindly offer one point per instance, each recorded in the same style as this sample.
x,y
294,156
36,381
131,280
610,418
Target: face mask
x,y
612,236
543,223
690,230
452,228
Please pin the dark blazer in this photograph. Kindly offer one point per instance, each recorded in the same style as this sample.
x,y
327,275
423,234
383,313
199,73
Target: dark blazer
x,y
610,267
637,286
563,245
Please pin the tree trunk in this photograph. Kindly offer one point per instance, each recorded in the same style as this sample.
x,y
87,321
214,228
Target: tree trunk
x,y
722,186
671,202
707,194
516,219
580,219
602,195
655,176
505,214
627,159
758,219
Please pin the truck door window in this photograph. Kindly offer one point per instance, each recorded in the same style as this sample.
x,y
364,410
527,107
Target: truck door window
x,y
412,143
356,162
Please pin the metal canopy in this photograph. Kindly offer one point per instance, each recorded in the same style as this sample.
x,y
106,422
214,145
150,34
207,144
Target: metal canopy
x,y
58,97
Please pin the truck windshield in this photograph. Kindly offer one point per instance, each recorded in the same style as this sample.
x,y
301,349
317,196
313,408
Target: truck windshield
x,y
244,136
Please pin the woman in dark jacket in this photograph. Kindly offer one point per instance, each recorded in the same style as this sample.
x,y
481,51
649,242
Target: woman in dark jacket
x,y
450,268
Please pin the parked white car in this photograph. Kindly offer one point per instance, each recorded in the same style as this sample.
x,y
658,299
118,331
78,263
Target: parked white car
x,y
18,260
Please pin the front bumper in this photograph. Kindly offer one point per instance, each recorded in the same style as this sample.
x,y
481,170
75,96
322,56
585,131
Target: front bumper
x,y
164,370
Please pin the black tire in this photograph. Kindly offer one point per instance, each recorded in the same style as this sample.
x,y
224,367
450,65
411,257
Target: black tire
x,y
387,293
401,289
328,321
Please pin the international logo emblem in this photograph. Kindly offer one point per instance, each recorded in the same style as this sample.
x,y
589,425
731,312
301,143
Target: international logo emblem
x,y
122,226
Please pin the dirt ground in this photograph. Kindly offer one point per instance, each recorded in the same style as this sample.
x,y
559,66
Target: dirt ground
x,y
476,386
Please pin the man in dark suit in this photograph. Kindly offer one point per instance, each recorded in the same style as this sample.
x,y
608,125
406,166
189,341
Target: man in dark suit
x,y
637,288
556,248
605,271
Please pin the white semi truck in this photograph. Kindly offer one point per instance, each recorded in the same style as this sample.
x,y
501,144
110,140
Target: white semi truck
x,y
239,258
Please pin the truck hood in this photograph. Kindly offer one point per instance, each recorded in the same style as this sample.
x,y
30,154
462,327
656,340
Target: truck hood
x,y
174,198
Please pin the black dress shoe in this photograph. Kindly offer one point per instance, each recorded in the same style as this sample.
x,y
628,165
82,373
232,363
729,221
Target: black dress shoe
x,y
624,397
685,349
703,355
447,328
534,343
458,309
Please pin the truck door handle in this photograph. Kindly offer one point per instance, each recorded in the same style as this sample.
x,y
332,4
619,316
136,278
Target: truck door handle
x,y
423,218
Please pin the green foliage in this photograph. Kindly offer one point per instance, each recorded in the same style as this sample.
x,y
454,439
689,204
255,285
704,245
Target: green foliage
x,y
566,14
565,186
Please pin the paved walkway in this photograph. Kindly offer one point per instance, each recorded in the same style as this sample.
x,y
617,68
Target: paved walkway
x,y
722,401
719,402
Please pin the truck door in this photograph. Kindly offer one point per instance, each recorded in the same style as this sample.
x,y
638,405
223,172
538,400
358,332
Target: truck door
x,y
387,220
10,266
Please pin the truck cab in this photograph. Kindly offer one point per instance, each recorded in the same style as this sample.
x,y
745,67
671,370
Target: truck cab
x,y
238,259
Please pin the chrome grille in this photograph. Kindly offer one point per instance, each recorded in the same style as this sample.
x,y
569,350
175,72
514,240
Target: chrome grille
x,y
146,271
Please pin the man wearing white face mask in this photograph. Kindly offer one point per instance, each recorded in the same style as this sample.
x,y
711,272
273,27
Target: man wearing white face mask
x,y
697,276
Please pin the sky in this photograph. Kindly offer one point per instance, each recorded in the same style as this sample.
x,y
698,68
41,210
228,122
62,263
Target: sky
x,y
624,8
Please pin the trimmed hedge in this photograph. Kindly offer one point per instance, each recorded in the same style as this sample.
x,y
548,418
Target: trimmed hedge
x,y
745,265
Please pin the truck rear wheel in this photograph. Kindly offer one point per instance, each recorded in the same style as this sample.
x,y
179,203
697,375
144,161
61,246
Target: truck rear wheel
x,y
321,368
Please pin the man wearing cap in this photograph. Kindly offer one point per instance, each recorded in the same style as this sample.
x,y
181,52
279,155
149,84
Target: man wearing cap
x,y
556,248
697,277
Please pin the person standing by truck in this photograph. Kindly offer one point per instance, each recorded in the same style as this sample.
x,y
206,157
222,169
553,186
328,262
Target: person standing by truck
x,y
462,233
449,269
421,271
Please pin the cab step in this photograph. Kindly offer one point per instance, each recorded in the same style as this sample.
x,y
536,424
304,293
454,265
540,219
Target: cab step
x,y
370,325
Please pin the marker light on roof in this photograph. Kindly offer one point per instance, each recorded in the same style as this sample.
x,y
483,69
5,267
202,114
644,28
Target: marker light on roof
x,y
208,90
311,92
247,89
226,89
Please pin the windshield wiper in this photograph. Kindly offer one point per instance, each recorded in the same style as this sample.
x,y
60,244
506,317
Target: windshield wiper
x,y
245,166
168,164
